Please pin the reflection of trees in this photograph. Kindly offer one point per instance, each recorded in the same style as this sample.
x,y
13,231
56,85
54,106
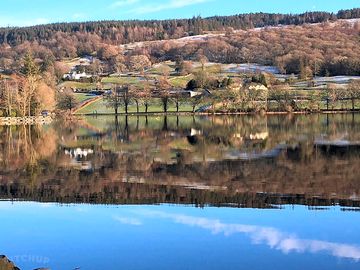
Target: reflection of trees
x,y
121,132
26,145
137,160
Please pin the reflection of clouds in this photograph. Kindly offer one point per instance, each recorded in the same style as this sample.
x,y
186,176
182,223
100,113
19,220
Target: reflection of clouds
x,y
81,209
265,235
46,205
128,221
13,205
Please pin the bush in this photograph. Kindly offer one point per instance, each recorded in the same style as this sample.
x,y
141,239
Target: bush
x,y
192,84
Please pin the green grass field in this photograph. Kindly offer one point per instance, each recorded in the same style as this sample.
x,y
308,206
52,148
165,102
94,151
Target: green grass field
x,y
101,107
165,67
181,81
81,97
216,69
121,80
79,85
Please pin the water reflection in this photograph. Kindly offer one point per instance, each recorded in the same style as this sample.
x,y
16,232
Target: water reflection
x,y
275,162
269,236
177,237
242,161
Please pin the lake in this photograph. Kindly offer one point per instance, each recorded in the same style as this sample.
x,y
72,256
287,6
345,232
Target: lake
x,y
203,192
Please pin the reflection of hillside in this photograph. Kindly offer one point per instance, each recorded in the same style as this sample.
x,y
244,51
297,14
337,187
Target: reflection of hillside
x,y
244,162
260,183
316,176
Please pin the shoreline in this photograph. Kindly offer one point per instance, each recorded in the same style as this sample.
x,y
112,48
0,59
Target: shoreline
x,y
27,120
218,113
44,120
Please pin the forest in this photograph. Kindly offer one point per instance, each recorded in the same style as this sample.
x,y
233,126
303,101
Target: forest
x,y
326,49
315,43
121,32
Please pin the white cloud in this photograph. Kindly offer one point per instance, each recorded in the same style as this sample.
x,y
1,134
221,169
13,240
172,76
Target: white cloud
x,y
122,3
128,221
271,237
173,4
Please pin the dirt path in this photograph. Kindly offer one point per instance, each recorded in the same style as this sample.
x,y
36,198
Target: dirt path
x,y
87,103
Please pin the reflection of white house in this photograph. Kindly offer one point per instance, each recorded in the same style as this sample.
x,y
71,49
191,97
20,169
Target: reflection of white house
x,y
76,76
259,136
78,158
195,132
253,136
79,153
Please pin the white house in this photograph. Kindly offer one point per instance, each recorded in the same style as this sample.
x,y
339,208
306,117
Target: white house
x,y
257,87
76,76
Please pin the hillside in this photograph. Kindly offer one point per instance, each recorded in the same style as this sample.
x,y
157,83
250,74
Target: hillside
x,y
313,49
315,43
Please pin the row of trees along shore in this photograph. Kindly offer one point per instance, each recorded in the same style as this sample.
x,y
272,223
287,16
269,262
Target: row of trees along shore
x,y
226,96
27,92
33,90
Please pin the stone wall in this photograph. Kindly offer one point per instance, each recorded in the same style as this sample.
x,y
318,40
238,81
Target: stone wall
x,y
31,120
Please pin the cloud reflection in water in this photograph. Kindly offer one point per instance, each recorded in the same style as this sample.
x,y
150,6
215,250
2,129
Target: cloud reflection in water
x,y
271,237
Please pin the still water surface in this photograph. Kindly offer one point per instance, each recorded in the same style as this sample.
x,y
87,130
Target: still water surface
x,y
243,192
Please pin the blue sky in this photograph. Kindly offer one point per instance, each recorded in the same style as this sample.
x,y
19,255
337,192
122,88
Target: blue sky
x,y
26,12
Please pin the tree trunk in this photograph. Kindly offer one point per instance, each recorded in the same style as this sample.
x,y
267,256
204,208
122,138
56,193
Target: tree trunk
x,y
165,125
9,109
165,105
126,131
116,126
29,108
137,106
146,107
9,99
